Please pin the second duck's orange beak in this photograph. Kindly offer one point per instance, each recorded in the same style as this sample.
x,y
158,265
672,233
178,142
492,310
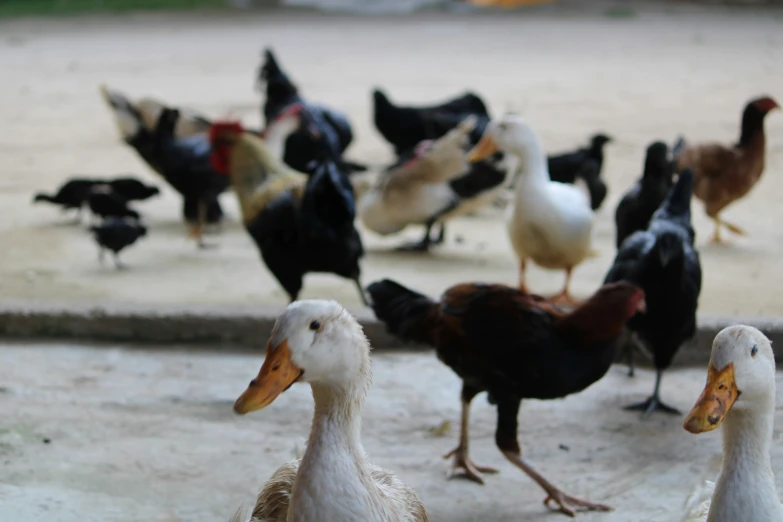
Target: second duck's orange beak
x,y
484,148
277,374
715,401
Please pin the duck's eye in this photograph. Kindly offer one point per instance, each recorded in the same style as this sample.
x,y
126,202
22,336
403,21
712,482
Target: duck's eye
x,y
754,351
315,325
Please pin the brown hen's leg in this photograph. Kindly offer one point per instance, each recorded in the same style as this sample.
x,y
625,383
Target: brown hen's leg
x,y
462,466
733,228
506,439
522,275
564,297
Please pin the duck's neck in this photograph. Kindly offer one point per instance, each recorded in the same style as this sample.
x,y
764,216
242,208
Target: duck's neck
x,y
338,414
532,167
334,463
746,480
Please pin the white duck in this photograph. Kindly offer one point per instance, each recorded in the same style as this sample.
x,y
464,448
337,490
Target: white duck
x,y
740,395
434,186
320,343
550,223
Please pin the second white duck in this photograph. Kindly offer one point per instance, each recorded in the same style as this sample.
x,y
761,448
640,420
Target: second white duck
x,y
550,223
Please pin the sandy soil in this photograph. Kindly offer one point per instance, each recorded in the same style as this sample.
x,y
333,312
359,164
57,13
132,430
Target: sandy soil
x,y
641,78
137,435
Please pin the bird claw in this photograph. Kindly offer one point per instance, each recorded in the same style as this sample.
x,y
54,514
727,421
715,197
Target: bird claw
x,y
569,505
463,467
652,404
564,298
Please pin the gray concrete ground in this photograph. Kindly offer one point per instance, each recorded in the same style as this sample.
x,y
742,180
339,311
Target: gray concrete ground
x,y
137,434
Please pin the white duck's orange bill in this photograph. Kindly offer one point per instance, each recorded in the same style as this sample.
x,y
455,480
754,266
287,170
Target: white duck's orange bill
x,y
277,374
485,148
715,401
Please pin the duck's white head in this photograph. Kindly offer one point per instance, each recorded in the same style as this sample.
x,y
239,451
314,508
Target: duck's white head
x,y
314,341
511,134
741,376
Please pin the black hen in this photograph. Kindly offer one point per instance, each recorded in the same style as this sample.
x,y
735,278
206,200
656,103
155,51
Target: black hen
x,y
132,189
405,127
663,261
104,202
640,203
325,126
183,163
115,234
567,167
71,195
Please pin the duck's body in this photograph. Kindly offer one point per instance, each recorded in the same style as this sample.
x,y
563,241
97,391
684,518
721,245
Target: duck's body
x,y
434,186
334,480
740,394
550,222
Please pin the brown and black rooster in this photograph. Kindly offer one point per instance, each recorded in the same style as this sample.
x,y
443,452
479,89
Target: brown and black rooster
x,y
300,224
514,346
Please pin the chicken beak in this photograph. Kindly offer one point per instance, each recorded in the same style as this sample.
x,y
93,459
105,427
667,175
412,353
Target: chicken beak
x,y
277,374
484,148
715,401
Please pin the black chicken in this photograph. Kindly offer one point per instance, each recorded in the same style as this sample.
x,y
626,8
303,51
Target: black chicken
x,y
640,203
405,127
663,261
72,194
104,202
132,189
182,162
567,167
303,225
115,234
325,126
514,346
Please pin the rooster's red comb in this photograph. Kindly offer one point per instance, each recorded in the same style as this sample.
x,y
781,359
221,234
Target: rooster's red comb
x,y
220,128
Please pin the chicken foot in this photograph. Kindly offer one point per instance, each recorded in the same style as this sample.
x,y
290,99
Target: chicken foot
x,y
462,466
196,230
716,237
564,502
653,402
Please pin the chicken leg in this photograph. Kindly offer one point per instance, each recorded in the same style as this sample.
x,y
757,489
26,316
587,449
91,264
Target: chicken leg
x,y
564,297
506,440
716,237
462,466
196,230
653,402
362,294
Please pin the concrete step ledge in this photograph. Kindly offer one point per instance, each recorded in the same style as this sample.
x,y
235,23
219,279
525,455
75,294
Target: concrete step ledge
x,y
234,327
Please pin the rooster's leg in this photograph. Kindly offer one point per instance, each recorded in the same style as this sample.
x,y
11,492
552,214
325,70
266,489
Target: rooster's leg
x,y
506,438
420,246
462,465
654,402
522,275
441,235
564,297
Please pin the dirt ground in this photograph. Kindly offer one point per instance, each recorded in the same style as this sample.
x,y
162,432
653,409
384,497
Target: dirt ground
x,y
650,76
150,435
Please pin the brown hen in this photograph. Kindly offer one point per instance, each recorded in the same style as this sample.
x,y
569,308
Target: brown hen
x,y
725,173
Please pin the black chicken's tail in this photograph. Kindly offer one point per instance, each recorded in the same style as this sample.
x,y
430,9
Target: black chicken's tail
x,y
409,315
44,197
381,101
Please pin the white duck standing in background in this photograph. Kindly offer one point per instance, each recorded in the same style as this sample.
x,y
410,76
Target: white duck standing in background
x,y
740,394
550,223
320,343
